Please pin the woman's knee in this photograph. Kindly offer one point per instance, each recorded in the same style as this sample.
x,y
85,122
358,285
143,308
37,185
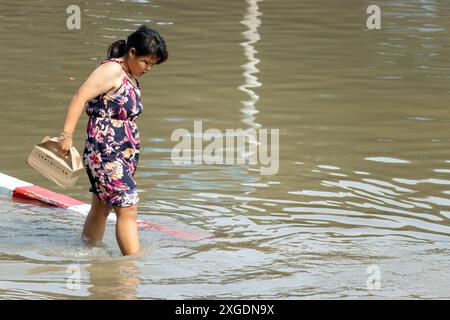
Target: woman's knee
x,y
126,212
99,207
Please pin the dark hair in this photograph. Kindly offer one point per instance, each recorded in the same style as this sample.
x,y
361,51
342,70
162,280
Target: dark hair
x,y
145,41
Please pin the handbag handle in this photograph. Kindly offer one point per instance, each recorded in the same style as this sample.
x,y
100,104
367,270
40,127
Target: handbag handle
x,y
72,157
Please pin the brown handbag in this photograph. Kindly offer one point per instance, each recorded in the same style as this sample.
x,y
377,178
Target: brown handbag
x,y
47,159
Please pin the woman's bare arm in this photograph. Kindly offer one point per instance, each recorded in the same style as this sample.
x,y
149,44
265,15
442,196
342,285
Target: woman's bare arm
x,y
101,80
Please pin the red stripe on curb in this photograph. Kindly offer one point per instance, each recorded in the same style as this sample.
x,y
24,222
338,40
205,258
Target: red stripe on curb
x,y
176,233
36,193
59,200
47,196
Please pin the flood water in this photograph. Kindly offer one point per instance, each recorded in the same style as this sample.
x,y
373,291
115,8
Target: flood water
x,y
363,180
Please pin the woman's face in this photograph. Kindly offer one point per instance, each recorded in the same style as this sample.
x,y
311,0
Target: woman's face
x,y
140,65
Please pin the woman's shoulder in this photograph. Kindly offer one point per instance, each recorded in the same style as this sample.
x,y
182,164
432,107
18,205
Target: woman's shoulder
x,y
111,66
118,60
110,61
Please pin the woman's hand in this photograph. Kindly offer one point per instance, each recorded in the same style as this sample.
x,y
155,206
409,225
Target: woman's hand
x,y
65,142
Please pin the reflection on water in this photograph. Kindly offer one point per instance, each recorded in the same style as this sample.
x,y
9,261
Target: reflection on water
x,y
113,279
252,22
364,167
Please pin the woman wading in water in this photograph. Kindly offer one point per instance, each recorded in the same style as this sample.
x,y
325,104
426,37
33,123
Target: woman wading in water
x,y
112,97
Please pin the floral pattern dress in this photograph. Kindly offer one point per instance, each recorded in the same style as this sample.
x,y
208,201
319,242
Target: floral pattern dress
x,y
112,145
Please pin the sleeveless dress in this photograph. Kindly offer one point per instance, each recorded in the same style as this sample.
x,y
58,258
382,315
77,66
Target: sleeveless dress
x,y
111,152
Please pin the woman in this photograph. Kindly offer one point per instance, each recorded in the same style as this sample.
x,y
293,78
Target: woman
x,y
112,98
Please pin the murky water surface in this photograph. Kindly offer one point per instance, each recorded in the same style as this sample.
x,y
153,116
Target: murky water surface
x,y
362,189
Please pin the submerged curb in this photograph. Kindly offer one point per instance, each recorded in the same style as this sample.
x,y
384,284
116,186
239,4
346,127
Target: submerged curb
x,y
14,187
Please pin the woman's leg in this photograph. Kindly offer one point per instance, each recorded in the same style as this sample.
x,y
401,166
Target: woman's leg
x,y
94,226
126,229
